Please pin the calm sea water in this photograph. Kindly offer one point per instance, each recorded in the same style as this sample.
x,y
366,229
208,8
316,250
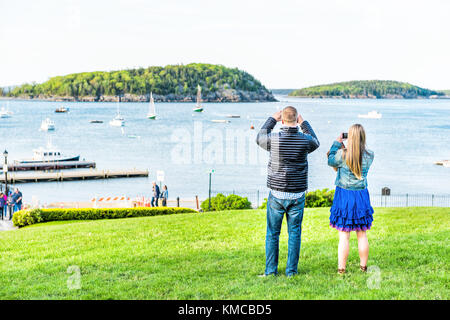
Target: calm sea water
x,y
411,135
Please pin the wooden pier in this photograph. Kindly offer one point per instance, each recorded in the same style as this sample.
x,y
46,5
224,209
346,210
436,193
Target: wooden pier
x,y
54,165
74,175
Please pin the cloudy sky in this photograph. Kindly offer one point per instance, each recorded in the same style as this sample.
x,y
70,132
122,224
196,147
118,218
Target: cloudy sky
x,y
285,44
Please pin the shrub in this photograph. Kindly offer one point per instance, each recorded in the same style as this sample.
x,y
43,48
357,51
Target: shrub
x,y
27,217
314,199
232,202
264,204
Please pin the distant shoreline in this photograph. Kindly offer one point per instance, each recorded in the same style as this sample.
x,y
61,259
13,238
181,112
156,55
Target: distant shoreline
x,y
372,98
240,97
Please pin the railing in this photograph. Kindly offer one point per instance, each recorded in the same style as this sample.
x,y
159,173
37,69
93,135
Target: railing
x,y
256,197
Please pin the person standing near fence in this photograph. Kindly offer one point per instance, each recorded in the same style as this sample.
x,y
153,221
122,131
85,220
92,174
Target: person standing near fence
x,y
155,196
164,196
2,205
351,209
16,200
287,180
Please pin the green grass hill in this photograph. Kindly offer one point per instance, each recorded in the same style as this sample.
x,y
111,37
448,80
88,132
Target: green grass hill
x,y
219,255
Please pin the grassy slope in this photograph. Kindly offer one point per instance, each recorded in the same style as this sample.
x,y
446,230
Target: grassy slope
x,y
219,255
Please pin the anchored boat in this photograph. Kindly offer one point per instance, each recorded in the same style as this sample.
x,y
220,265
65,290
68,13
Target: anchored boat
x,y
47,125
151,108
5,113
198,105
62,110
118,120
371,115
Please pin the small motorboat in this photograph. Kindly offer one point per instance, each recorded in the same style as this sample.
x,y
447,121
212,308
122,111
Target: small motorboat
x,y
445,163
62,110
221,121
233,116
133,136
371,115
96,121
47,125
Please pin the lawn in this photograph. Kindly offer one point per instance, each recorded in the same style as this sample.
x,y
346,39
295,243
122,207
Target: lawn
x,y
220,255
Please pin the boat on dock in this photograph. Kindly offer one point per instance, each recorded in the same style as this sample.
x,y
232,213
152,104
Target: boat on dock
x,y
49,154
198,106
47,125
151,108
371,115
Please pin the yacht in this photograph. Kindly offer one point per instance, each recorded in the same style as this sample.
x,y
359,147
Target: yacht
x,y
371,115
118,120
49,154
151,108
198,105
47,125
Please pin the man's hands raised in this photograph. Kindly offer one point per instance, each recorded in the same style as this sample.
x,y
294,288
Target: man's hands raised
x,y
277,116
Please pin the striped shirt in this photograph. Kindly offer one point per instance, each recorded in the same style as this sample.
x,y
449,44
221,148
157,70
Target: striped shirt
x,y
289,148
287,195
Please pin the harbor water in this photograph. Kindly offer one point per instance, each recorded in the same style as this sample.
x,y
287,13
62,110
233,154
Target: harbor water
x,y
407,140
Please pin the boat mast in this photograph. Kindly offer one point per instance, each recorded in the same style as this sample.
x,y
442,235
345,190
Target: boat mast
x,y
199,95
152,109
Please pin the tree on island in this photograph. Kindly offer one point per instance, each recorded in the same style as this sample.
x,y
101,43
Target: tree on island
x,y
171,79
366,88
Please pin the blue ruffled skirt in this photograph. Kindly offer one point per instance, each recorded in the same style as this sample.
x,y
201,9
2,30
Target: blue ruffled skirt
x,y
351,210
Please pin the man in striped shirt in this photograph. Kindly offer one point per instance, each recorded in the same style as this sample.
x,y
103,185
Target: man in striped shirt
x,y
287,180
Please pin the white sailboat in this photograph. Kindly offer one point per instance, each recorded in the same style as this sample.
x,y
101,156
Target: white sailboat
x,y
118,120
151,108
198,106
47,125
5,113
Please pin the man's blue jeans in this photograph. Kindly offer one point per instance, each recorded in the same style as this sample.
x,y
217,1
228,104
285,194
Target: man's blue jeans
x,y
294,216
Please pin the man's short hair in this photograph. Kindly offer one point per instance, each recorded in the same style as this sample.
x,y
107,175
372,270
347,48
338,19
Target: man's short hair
x,y
289,115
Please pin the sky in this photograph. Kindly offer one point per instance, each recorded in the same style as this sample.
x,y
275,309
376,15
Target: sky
x,y
284,44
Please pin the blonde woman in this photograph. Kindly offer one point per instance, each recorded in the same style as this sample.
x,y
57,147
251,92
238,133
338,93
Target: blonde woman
x,y
351,209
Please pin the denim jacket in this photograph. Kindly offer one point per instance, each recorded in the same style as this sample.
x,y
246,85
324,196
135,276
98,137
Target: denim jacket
x,y
345,178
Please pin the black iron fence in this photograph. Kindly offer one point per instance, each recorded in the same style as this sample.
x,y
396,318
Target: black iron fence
x,y
256,197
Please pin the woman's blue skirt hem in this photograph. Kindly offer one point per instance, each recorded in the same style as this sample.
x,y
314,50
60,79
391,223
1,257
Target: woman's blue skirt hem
x,y
351,210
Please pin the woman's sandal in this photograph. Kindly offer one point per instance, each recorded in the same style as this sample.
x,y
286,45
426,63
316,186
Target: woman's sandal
x,y
341,271
363,269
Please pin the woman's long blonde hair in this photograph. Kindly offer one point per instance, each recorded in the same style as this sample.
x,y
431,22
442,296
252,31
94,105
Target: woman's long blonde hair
x,y
356,147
